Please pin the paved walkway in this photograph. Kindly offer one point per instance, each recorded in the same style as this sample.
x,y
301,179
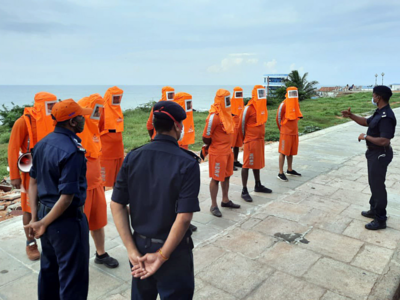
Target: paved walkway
x,y
305,241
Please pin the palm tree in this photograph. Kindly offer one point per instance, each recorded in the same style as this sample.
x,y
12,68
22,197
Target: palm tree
x,y
306,89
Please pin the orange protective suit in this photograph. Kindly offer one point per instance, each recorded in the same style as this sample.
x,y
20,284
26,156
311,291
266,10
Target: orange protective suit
x,y
287,118
220,128
186,102
111,126
237,110
29,129
167,94
252,127
95,204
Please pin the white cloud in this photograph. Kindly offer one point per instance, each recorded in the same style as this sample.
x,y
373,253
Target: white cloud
x,y
233,60
293,67
270,66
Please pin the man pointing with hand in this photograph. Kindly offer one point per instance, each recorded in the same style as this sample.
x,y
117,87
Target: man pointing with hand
x,y
381,127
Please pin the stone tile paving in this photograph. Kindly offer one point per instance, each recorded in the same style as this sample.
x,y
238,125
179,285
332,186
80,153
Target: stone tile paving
x,y
304,241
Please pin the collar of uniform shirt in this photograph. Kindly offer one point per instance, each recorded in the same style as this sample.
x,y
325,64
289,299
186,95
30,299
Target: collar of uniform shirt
x,y
164,137
67,132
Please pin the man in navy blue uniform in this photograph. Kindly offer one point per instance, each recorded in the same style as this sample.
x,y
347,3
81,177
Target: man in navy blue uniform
x,y
57,193
160,182
381,128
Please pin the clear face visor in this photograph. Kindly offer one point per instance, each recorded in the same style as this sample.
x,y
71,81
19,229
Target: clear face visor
x,y
170,95
238,94
96,112
188,105
49,105
293,94
261,94
116,99
227,101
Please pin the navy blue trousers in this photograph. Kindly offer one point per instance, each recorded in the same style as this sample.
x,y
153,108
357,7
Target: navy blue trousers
x,y
378,162
174,280
64,262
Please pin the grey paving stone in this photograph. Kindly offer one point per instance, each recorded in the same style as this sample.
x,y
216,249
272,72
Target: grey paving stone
x,y
284,286
205,256
289,258
318,189
326,220
249,243
108,283
388,237
238,281
373,258
272,225
342,278
333,296
333,245
23,288
209,292
325,204
250,223
290,211
11,269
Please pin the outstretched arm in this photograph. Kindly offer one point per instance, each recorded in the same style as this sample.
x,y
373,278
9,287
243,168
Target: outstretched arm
x,y
359,120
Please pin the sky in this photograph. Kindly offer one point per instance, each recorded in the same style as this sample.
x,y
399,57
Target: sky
x,y
197,42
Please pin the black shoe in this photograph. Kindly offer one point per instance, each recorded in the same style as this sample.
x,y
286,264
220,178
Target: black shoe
x,y
230,204
376,225
368,214
282,177
237,164
262,189
216,212
293,172
106,260
246,197
234,168
193,228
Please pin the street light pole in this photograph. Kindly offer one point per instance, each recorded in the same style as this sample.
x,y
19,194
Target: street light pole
x,y
383,74
376,79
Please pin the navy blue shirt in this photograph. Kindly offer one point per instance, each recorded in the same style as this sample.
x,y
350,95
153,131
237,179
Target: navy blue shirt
x,y
382,124
158,181
59,166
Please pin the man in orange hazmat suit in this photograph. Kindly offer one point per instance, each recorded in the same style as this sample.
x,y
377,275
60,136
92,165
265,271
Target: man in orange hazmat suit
x,y
218,134
167,94
95,207
29,129
111,126
188,136
252,124
237,110
287,117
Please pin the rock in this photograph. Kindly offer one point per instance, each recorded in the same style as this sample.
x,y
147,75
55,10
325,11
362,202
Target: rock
x,y
2,207
16,206
10,197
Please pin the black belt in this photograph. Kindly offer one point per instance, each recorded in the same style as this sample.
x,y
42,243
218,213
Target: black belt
x,y
70,212
157,241
378,148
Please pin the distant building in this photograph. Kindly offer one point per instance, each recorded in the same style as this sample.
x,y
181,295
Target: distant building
x,y
274,81
329,91
395,86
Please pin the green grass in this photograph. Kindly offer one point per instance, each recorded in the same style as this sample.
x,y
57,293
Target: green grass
x,y
318,114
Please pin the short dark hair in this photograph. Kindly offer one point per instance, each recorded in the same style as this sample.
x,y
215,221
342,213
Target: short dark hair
x,y
62,124
163,125
383,91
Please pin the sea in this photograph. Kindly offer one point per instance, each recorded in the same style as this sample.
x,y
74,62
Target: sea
x,y
134,95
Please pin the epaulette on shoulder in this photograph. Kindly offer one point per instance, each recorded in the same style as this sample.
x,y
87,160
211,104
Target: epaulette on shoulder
x,y
192,154
79,145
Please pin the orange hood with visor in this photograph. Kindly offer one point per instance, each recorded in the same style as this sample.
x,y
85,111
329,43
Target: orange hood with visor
x,y
185,101
167,93
259,101
38,118
292,104
113,116
222,107
90,135
237,101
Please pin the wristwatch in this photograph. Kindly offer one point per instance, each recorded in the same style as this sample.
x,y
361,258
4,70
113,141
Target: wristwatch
x,y
365,137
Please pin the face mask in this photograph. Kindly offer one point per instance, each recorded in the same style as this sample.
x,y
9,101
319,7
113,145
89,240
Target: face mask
x,y
373,102
80,125
182,133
